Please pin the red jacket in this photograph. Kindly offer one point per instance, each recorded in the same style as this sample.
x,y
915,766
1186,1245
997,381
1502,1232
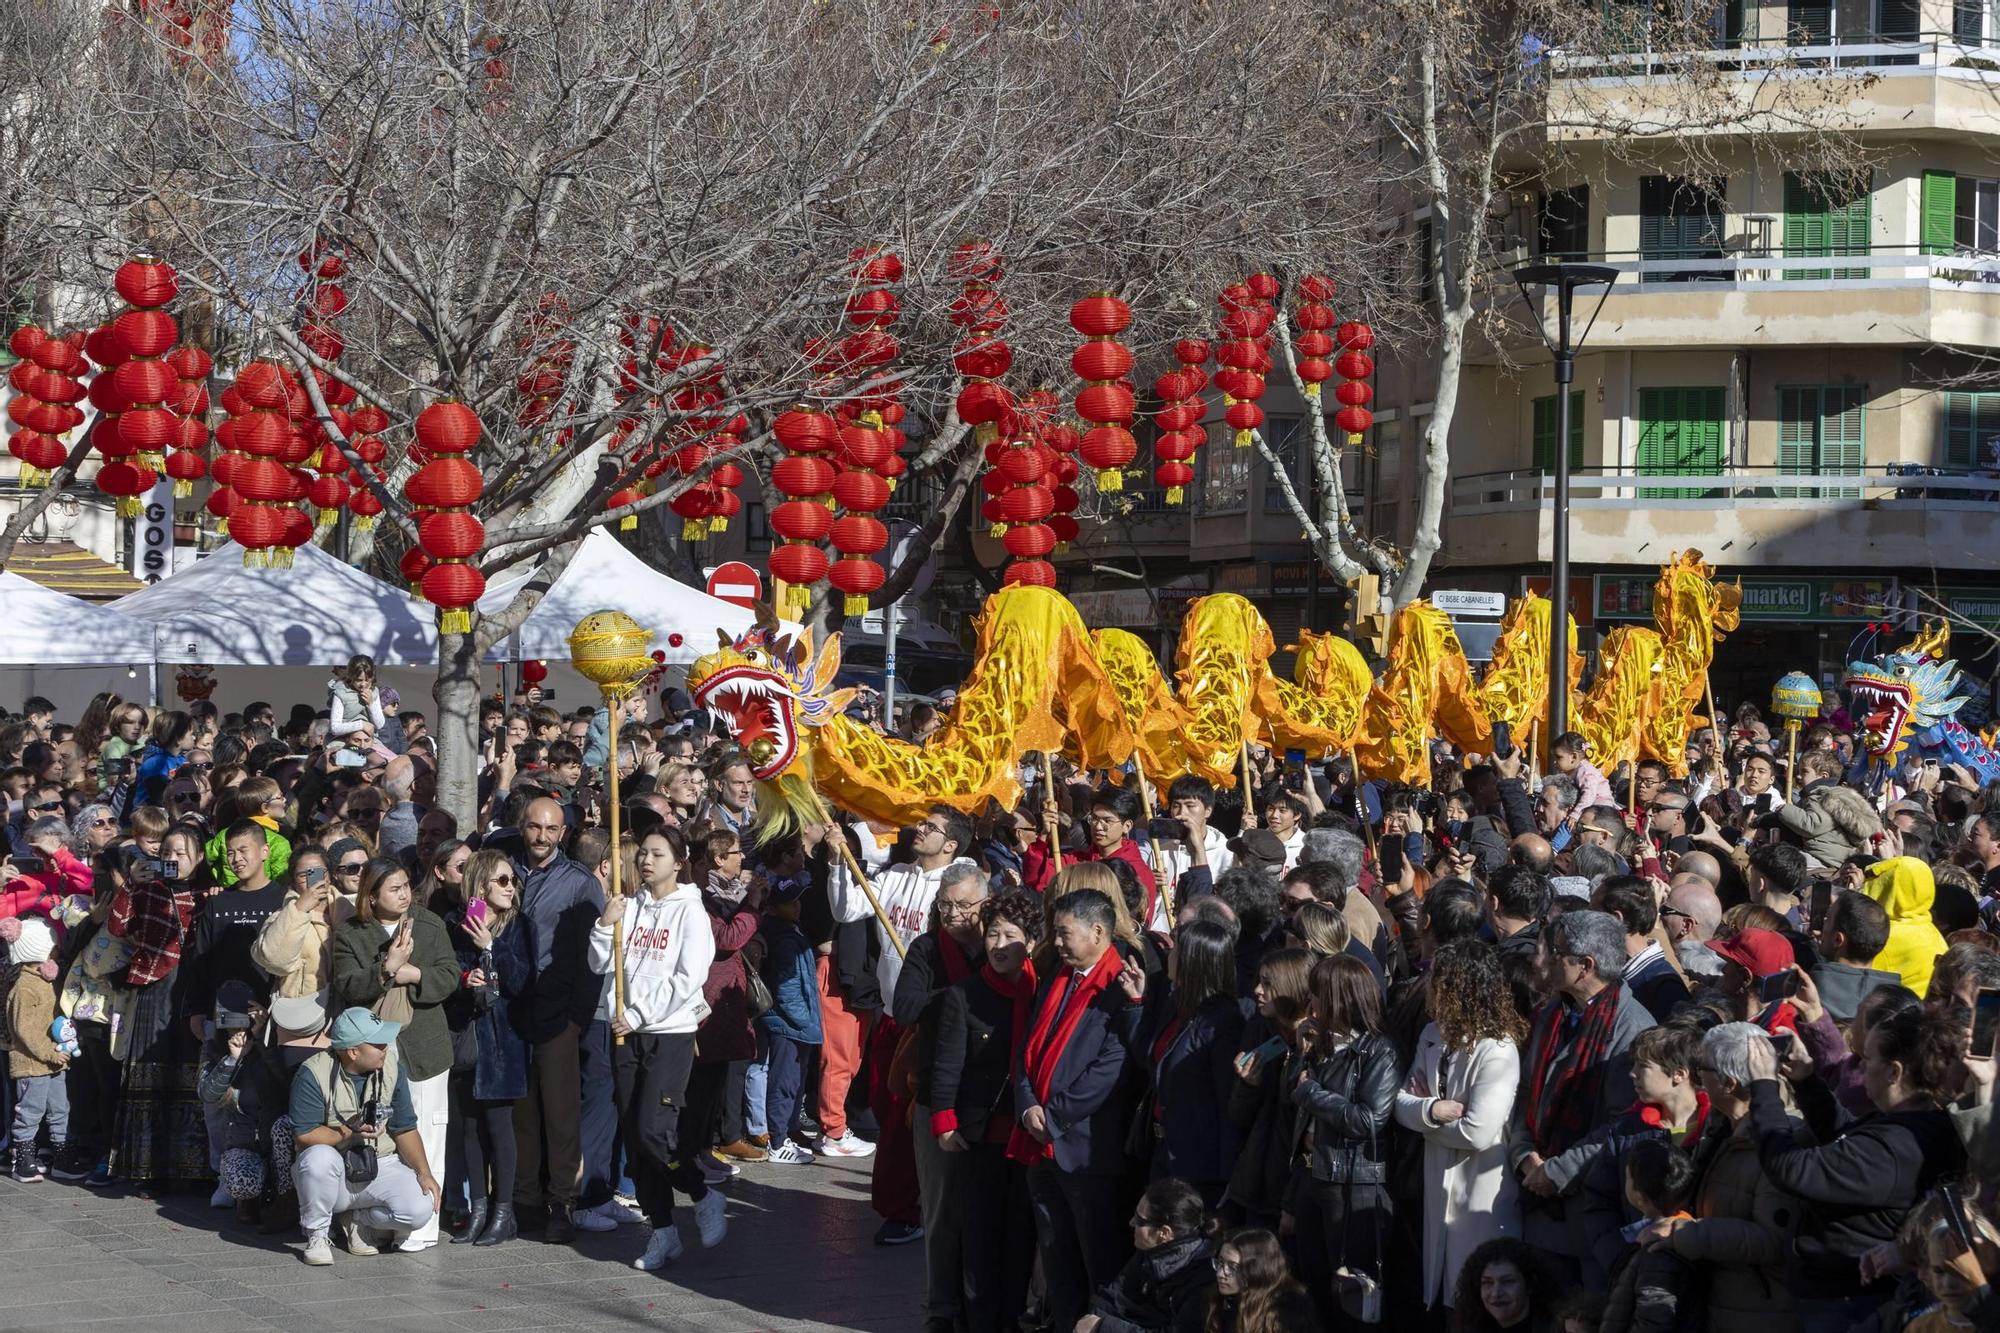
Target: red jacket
x,y
1038,868
36,895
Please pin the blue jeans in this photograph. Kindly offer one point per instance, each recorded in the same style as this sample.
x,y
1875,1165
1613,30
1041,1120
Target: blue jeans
x,y
785,1086
756,1087
597,1123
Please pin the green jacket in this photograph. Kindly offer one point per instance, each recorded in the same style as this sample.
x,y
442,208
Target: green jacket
x,y
358,946
275,865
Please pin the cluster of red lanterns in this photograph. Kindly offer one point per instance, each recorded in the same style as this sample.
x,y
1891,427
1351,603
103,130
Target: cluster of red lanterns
x,y
262,479
1178,418
365,441
47,388
635,330
1106,401
707,506
1025,469
549,357
805,476
441,494
981,355
1314,345
871,436
1354,366
1249,309
188,461
136,391
324,300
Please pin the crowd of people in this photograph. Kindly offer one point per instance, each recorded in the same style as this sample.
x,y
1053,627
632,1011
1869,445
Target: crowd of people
x,y
1555,1053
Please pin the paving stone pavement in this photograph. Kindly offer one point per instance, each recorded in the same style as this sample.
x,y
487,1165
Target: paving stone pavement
x,y
799,1255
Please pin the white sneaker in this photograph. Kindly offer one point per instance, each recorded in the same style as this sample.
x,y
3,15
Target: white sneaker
x,y
357,1239
319,1250
708,1219
663,1250
624,1214
849,1144
790,1154
411,1245
221,1198
594,1219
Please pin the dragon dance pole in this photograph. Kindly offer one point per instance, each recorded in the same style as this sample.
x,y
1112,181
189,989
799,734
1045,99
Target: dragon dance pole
x,y
609,648
612,708
1791,754
1159,863
1249,798
860,876
1055,820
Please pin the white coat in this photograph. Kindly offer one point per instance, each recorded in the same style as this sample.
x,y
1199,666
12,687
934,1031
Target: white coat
x,y
1469,1194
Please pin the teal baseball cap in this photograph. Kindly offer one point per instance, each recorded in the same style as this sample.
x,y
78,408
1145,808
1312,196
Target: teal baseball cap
x,y
358,1027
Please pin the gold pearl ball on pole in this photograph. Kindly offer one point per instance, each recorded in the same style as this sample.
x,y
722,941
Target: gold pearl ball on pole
x,y
612,650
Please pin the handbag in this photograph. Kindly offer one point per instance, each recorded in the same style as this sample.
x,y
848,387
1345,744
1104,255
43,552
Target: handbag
x,y
394,1006
1360,1293
758,992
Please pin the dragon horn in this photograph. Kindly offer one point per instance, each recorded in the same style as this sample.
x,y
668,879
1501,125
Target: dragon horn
x,y
1932,642
767,618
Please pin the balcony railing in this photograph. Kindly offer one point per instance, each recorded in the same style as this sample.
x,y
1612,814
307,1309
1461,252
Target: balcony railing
x,y
1927,53
1755,267
1896,486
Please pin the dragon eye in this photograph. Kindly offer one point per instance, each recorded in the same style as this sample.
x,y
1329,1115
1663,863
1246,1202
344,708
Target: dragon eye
x,y
1903,671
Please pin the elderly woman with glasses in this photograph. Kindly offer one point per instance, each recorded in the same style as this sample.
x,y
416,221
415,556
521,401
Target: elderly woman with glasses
x,y
94,828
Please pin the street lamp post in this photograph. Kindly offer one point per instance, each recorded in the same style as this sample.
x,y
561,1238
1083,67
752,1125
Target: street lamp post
x,y
1537,280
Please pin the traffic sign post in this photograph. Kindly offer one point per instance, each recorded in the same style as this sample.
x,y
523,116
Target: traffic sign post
x,y
736,583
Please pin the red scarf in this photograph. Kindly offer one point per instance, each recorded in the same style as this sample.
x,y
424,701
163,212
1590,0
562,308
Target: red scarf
x,y
1020,988
1055,1026
957,967
1652,1116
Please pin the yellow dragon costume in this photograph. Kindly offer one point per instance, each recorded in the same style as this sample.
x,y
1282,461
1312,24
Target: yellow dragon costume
x,y
1041,681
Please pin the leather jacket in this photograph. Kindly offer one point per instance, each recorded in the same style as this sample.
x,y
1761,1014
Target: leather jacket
x,y
1347,1100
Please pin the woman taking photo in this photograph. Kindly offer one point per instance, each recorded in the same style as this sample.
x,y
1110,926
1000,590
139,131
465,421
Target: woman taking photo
x,y
292,944
395,958
1345,1099
498,959
1459,1097
968,1051
668,949
1255,1291
1266,1067
353,700
1192,1053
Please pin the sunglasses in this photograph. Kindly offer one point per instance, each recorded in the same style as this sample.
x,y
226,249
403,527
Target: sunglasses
x,y
350,868
104,823
501,879
1675,911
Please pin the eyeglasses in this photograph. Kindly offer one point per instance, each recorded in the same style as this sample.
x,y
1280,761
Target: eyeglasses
x,y
501,879
1223,1265
1105,817
957,909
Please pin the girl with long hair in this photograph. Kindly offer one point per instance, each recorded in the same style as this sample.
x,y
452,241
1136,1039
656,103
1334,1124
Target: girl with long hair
x,y
1266,1066
1254,1290
1191,1052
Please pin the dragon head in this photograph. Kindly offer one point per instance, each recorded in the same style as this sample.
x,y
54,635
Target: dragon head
x,y
1902,692
767,688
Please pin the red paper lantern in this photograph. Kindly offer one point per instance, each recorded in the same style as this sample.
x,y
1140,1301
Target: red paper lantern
x,y
450,534
1100,315
256,528
800,564
415,562
452,587
802,475
146,333
1032,573
1029,541
146,282
801,520
534,671
447,427
186,467
1108,449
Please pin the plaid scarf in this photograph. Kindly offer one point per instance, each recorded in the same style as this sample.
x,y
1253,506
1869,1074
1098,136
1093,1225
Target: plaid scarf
x,y
1566,1108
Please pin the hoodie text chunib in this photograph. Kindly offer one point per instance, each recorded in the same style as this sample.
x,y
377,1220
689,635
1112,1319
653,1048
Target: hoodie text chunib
x,y
668,949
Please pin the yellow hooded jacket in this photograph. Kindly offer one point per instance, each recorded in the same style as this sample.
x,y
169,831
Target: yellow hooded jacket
x,y
1905,888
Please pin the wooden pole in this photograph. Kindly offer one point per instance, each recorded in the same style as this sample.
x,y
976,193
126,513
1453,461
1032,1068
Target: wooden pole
x,y
1050,806
1791,754
860,877
1249,797
1534,735
1160,875
613,706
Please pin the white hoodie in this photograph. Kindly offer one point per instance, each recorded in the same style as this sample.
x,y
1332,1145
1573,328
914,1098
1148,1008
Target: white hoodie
x,y
907,892
668,950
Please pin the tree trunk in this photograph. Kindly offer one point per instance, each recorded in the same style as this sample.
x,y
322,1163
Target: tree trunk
x,y
456,693
1435,468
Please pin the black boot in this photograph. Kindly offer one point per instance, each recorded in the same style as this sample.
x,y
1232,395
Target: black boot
x,y
562,1227
473,1225
500,1228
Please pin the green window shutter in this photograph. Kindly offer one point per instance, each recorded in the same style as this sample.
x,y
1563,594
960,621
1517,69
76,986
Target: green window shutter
x,y
1940,211
1806,225
1843,447
1652,215
1681,433
1957,429
1798,432
1809,22
1545,433
1575,429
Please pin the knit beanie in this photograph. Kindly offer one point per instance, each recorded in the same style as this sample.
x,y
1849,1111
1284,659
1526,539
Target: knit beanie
x,y
36,944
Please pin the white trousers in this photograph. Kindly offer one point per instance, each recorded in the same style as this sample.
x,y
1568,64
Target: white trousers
x,y
393,1201
432,1101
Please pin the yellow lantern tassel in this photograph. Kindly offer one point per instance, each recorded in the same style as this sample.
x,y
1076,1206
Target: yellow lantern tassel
x,y
129,506
1109,480
856,604
150,458
365,523
692,529
32,476
629,522
417,589
1242,439
222,528
720,523
183,488
1312,391
996,530
455,621
1062,548
1174,495
1353,439
327,517
890,482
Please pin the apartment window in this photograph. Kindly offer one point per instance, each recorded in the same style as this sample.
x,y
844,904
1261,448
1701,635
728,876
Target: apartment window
x,y
1385,482
1545,431
1971,22
1809,22
1225,477
1975,224
1822,433
1971,429
1290,440
1426,259
1681,433
1826,214
1562,227
1680,219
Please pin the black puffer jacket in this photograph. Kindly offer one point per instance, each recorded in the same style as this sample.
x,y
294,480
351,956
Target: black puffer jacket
x,y
1347,1100
1162,1290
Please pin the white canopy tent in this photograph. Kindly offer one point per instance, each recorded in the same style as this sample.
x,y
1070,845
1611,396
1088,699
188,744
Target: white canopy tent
x,y
604,576
67,649
275,633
